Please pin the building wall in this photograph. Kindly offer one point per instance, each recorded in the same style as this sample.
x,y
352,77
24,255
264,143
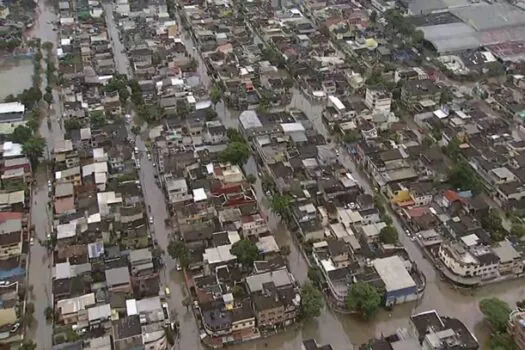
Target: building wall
x,y
401,296
467,270
10,250
269,317
243,324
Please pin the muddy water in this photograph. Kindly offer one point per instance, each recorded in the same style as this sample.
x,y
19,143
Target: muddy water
x,y
15,75
344,332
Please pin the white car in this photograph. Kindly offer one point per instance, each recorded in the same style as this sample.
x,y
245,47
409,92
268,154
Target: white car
x,y
149,156
151,219
32,241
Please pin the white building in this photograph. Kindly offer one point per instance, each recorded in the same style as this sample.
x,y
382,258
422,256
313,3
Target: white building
x,y
11,112
378,100
466,258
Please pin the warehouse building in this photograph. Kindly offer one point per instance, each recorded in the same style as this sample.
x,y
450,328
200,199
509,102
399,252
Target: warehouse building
x,y
467,26
11,112
400,287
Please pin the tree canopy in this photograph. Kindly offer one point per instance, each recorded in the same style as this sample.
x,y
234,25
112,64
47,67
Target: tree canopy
x,y
97,119
236,153
517,230
388,235
312,301
496,313
234,135
280,205
493,223
314,274
21,134
363,298
246,252
177,250
501,341
215,94
461,176
33,148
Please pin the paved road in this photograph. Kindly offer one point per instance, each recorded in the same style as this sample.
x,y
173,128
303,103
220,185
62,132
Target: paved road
x,y
119,55
40,263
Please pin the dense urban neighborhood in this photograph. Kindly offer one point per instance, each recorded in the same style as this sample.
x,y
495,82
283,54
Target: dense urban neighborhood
x,y
314,175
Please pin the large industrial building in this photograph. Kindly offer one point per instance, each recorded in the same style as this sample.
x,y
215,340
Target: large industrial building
x,y
458,25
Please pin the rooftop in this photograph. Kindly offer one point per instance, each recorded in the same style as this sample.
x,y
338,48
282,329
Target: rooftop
x,y
394,274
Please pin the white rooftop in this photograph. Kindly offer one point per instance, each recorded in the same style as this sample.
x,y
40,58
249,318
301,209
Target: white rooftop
x,y
12,107
199,195
470,240
394,274
292,127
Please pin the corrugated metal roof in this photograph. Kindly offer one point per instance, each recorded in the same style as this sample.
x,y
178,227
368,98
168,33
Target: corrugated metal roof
x,y
451,37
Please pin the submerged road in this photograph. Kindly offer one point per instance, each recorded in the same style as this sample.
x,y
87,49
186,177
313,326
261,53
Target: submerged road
x,y
340,331
40,268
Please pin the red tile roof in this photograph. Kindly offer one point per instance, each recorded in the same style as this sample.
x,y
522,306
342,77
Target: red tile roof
x,y
452,196
9,215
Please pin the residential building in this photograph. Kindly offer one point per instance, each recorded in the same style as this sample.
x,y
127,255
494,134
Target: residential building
x,y
378,100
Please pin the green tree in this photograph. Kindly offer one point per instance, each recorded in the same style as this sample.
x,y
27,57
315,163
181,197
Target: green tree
x,y
246,252
492,221
496,313
48,46
388,235
387,219
97,119
280,205
251,179
30,97
363,298
285,250
170,337
461,176
116,83
312,301
28,345
501,341
315,275
211,114
238,291
351,136
176,249
48,97
236,153
234,135
135,130
34,148
21,134
446,96
49,313
437,134
517,230
215,95
123,94
72,124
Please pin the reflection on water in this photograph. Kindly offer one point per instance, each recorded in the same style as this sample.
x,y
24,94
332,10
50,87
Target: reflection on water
x,y
15,75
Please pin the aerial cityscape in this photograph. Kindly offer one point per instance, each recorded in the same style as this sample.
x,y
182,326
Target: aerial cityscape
x,y
262,174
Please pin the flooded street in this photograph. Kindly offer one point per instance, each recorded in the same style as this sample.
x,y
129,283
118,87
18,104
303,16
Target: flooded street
x,y
39,269
17,73
339,330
